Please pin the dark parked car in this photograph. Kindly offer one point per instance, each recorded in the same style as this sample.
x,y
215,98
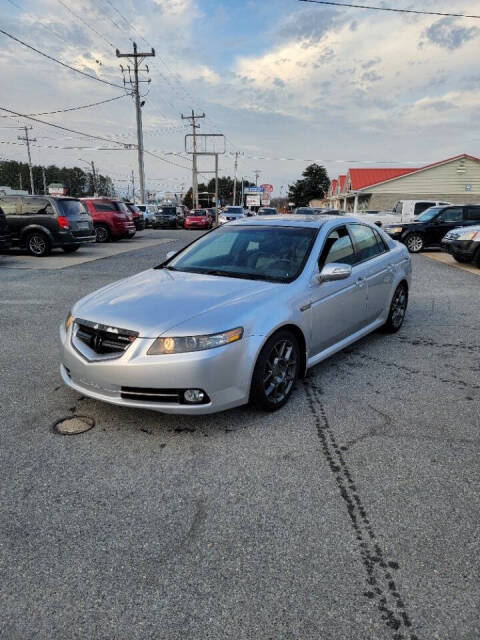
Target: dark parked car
x,y
463,244
41,223
111,218
432,225
4,235
168,216
138,217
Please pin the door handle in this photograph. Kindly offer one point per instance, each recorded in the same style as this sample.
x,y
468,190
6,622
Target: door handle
x,y
360,283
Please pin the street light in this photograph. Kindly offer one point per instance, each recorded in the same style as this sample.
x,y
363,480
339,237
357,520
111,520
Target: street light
x,y
92,165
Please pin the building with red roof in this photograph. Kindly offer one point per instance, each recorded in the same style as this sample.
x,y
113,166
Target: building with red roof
x,y
455,180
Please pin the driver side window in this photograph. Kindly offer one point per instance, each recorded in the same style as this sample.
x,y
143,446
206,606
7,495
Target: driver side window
x,y
337,248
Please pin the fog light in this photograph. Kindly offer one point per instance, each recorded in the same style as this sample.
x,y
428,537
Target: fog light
x,y
193,396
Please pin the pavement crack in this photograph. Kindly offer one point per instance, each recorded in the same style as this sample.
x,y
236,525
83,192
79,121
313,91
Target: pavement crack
x,y
381,586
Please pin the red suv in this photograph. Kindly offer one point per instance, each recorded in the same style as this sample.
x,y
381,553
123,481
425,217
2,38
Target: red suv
x,y
111,218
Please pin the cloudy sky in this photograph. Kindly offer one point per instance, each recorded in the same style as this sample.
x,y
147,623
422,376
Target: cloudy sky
x,y
281,78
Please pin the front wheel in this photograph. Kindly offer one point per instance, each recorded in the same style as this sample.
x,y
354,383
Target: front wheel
x,y
38,244
414,242
276,371
398,309
476,258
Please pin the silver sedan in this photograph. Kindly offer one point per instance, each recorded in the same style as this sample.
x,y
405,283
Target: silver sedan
x,y
237,316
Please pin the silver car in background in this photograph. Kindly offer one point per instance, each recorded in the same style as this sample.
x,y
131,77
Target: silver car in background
x,y
237,316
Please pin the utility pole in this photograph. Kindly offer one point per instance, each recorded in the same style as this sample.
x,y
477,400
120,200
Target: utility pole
x,y
257,173
94,178
235,179
27,141
44,181
21,182
133,189
241,191
138,58
195,126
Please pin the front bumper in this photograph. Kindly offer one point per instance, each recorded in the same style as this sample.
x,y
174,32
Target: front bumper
x,y
223,373
196,225
461,248
164,223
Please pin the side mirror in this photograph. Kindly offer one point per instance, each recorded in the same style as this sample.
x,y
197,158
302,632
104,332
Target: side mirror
x,y
170,254
334,271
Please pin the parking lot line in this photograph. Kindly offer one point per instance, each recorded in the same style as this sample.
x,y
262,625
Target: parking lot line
x,y
449,260
87,253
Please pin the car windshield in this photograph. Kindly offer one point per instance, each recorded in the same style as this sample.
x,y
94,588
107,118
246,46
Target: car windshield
x,y
199,212
276,254
233,210
168,211
427,215
71,208
304,211
267,212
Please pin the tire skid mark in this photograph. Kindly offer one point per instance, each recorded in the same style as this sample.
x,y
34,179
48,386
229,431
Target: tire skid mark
x,y
456,382
382,587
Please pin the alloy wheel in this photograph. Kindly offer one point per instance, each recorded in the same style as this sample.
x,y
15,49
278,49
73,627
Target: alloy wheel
x,y
37,244
101,234
280,371
414,243
399,307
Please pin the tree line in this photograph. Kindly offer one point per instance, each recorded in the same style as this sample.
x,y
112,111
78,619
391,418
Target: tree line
x,y
206,192
78,183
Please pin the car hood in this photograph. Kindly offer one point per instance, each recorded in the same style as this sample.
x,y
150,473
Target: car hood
x,y
157,300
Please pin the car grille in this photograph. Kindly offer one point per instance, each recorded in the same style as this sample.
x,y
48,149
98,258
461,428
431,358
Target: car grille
x,y
104,339
164,396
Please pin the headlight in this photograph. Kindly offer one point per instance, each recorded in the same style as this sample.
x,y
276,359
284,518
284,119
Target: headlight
x,y
194,343
394,229
222,219
68,321
469,235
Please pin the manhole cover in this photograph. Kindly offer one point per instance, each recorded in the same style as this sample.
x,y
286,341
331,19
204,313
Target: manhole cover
x,y
72,425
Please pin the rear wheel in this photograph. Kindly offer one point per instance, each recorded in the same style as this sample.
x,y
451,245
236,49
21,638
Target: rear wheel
x,y
71,249
476,258
398,309
38,244
414,242
102,233
276,371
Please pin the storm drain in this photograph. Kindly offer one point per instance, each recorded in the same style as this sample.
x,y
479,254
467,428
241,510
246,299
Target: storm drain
x,y
72,425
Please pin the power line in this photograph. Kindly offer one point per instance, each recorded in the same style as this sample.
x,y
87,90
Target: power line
x,y
72,148
64,64
154,155
85,106
416,11
57,126
86,23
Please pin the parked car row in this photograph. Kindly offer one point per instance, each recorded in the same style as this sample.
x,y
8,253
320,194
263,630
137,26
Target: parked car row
x,y
41,223
454,228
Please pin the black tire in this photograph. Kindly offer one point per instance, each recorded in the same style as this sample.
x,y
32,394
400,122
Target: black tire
x,y
38,244
461,259
102,233
414,242
398,309
71,249
476,258
276,371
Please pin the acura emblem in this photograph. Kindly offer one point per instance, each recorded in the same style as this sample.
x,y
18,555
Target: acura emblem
x,y
96,342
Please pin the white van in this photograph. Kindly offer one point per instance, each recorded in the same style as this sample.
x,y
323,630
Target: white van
x,y
408,210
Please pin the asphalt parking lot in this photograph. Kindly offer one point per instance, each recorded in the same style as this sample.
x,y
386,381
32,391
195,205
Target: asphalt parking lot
x,y
350,514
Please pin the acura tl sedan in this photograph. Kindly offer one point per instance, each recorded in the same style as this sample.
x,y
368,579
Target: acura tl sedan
x,y
237,316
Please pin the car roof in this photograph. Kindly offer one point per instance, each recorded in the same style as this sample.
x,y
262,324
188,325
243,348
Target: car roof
x,y
293,220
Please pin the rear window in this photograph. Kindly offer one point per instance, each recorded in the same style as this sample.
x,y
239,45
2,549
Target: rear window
x,y
199,212
105,206
168,211
234,210
71,208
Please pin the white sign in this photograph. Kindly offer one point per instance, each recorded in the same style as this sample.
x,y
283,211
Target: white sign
x,y
266,200
253,201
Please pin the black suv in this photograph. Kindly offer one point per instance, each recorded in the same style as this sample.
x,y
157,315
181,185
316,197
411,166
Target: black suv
x,y
40,223
432,225
4,235
168,216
